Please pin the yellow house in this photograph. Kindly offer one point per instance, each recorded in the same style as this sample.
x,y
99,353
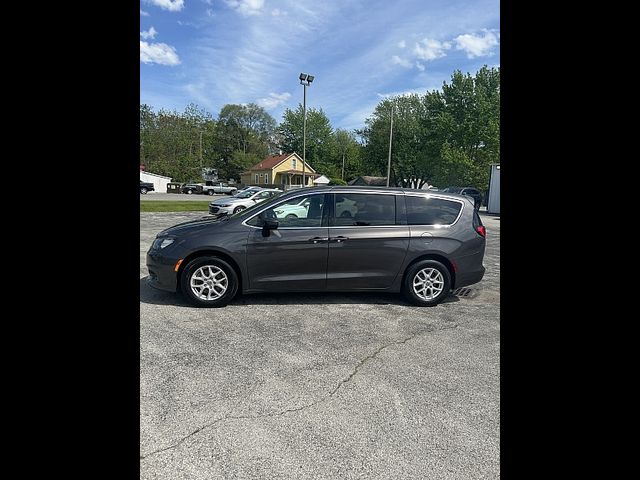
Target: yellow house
x,y
281,170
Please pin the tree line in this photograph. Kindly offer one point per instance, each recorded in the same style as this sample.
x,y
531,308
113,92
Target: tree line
x,y
447,137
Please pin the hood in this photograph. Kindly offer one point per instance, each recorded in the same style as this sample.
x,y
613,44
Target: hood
x,y
192,226
226,200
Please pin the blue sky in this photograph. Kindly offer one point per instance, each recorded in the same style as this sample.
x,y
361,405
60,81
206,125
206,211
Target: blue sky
x,y
214,52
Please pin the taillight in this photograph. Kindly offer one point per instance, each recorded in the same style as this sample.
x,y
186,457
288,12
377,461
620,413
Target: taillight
x,y
481,231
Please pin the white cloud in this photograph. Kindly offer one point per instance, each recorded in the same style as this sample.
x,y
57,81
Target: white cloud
x,y
477,45
430,49
274,100
160,53
151,33
246,7
171,5
143,13
420,66
396,60
276,12
402,44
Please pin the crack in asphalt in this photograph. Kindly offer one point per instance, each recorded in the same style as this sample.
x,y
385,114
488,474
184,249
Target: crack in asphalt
x,y
371,356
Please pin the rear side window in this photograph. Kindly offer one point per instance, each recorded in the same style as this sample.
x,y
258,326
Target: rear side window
x,y
431,211
364,210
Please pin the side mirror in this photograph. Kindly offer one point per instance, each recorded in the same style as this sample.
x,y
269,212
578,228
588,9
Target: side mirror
x,y
267,225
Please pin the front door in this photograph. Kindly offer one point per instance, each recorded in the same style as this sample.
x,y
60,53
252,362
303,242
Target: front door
x,y
293,256
367,246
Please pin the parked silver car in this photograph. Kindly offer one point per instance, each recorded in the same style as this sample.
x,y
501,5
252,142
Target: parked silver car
x,y
240,201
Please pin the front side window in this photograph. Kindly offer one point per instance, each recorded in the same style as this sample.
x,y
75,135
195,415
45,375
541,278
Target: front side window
x,y
297,212
431,211
363,210
262,195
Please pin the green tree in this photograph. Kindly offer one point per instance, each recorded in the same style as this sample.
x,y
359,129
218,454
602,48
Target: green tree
x,y
346,154
445,138
319,137
247,129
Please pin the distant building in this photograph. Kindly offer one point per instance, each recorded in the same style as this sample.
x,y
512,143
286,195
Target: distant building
x,y
159,181
282,170
369,181
321,180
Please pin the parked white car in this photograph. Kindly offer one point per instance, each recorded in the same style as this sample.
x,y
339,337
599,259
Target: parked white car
x,y
240,201
344,208
298,210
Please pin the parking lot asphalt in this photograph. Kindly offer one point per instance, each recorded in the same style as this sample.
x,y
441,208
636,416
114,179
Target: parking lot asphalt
x,y
320,386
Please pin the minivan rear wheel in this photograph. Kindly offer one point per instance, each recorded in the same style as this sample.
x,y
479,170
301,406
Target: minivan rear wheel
x,y
209,282
427,283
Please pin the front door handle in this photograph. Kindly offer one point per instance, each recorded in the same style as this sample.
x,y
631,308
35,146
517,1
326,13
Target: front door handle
x,y
319,239
338,239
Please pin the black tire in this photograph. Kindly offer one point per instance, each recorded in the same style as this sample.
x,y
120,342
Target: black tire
x,y
143,191
210,192
193,267
291,216
413,270
239,208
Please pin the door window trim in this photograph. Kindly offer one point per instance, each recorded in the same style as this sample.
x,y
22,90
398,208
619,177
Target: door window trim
x,y
323,220
397,220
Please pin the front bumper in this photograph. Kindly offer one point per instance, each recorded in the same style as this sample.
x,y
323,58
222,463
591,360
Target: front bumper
x,y
219,211
162,274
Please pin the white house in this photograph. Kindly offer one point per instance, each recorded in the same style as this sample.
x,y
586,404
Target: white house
x,y
159,181
321,181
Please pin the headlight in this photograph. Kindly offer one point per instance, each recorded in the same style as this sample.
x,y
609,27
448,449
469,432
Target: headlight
x,y
224,205
279,212
162,242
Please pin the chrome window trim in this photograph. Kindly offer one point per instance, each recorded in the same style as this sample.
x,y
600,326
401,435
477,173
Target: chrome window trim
x,y
377,192
293,197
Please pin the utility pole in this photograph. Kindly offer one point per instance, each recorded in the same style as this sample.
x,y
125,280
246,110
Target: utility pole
x,y
390,140
343,165
201,150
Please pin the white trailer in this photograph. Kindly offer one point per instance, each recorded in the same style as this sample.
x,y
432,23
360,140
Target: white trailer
x,y
493,204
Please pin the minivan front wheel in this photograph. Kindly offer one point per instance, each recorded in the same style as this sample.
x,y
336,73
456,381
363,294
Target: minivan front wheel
x,y
209,282
427,283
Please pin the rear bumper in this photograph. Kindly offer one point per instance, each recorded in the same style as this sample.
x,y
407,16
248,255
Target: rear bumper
x,y
469,278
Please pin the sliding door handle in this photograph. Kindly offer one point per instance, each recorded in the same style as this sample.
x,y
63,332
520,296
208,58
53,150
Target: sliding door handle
x,y
319,239
338,239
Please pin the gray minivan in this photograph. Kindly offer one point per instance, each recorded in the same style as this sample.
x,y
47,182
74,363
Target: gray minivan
x,y
337,239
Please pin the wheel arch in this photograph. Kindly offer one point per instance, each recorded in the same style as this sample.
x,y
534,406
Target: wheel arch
x,y
437,257
209,252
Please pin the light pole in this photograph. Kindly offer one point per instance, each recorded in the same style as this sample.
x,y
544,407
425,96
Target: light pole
x,y
305,81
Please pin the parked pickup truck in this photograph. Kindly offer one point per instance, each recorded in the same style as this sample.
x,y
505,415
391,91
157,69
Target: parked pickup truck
x,y
219,187
146,187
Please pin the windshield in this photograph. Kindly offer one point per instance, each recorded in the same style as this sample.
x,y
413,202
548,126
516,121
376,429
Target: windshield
x,y
245,194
